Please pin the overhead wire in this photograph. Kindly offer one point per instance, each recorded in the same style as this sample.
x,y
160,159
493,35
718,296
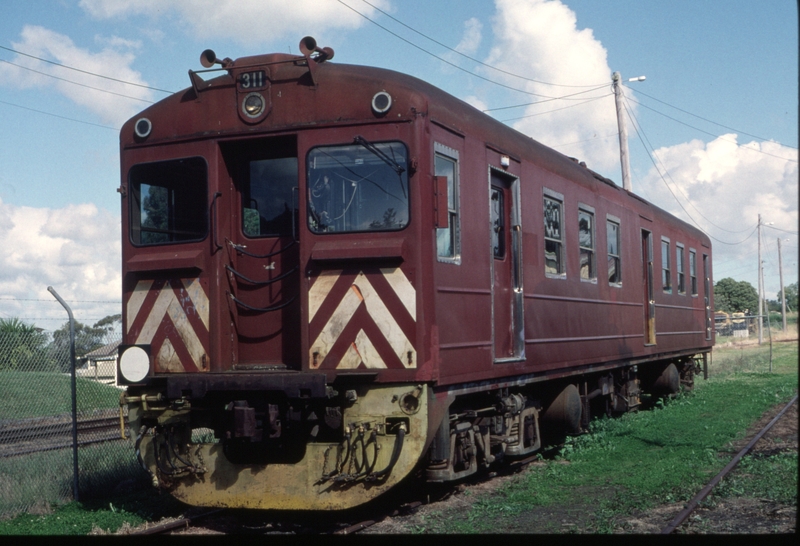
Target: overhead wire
x,y
467,56
642,138
75,83
706,119
58,116
85,71
548,111
454,65
713,134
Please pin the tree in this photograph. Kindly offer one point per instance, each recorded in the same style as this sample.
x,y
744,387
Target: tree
x,y
791,297
22,346
735,296
87,338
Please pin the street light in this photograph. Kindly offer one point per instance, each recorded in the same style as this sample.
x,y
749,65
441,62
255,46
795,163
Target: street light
x,y
623,130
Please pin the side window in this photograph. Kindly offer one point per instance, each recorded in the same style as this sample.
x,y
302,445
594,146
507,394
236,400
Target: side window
x,y
586,243
497,219
553,235
666,274
693,270
613,239
448,241
680,268
168,201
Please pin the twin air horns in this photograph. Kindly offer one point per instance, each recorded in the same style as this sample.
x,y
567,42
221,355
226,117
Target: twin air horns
x,y
308,46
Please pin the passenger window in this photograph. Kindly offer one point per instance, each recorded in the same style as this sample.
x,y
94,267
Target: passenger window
x,y
666,275
498,224
553,237
679,268
693,271
268,203
586,244
614,264
448,243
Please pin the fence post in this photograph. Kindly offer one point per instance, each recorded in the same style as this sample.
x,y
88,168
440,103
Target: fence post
x,y
74,392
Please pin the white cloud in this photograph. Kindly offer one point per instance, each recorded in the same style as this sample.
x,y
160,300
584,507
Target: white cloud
x,y
113,60
724,187
539,39
472,37
75,249
249,22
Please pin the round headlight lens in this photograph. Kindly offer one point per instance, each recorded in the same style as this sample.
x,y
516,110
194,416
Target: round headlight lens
x,y
134,364
381,102
253,105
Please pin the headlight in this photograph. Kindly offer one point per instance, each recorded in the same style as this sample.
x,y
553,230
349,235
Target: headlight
x,y
253,105
134,364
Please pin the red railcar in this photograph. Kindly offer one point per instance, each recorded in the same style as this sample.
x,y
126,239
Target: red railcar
x,y
334,274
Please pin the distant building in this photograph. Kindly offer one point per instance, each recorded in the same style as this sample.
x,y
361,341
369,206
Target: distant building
x,y
100,364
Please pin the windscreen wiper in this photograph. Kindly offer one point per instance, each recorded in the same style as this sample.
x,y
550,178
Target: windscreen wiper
x,y
385,158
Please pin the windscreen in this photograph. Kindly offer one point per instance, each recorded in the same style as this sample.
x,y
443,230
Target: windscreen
x,y
168,201
358,187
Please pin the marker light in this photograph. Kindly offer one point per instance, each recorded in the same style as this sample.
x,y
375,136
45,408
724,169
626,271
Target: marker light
x,y
381,102
134,364
143,127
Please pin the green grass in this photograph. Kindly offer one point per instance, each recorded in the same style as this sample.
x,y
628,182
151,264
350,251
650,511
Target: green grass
x,y
96,517
38,394
624,465
654,457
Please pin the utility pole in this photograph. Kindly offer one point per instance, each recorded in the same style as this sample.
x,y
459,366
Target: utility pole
x,y
780,275
760,300
624,158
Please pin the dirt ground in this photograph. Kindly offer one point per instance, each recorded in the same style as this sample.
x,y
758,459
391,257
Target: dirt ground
x,y
719,516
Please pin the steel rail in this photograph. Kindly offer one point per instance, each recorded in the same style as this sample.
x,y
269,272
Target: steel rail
x,y
681,517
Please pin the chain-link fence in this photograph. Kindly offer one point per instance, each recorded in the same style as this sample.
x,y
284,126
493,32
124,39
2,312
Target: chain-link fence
x,y
44,435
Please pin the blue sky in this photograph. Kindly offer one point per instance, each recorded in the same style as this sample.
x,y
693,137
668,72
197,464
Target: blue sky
x,y
733,63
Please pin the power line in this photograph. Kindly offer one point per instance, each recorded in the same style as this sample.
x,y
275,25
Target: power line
x,y
12,298
563,97
706,119
643,137
465,55
75,83
412,44
86,71
715,135
58,116
547,112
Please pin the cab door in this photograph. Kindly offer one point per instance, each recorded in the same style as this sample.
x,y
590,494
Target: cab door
x,y
508,330
263,278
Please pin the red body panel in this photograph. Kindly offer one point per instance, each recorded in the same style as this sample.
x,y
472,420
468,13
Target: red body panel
x,y
382,303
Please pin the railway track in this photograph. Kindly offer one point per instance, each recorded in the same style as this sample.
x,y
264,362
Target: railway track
x,y
26,436
705,491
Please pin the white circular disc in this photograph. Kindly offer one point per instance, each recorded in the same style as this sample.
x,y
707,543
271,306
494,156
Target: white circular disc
x,y
134,364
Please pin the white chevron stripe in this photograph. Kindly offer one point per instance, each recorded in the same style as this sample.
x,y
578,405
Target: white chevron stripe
x,y
198,297
403,288
136,300
361,350
318,292
385,321
186,332
330,333
153,321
